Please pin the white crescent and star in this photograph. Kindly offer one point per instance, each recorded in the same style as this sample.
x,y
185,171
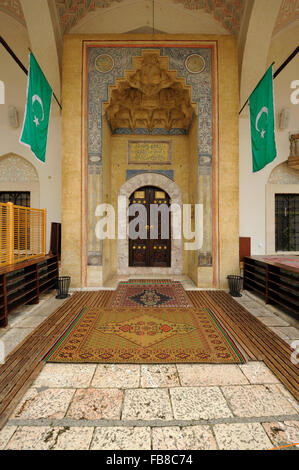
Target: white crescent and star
x,y
264,110
39,100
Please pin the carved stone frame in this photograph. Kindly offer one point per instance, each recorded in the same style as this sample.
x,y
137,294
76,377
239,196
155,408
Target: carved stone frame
x,y
175,193
150,162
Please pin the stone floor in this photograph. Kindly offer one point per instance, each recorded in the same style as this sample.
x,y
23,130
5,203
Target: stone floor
x,y
159,407
22,321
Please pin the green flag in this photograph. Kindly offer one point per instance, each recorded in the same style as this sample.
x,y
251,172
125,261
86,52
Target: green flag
x,y
262,122
37,112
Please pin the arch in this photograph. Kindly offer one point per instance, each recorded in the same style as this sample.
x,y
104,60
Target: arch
x,y
282,180
283,174
155,187
14,168
175,194
18,174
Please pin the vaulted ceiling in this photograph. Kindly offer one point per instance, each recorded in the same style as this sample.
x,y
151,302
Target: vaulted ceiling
x,y
289,12
228,13
13,8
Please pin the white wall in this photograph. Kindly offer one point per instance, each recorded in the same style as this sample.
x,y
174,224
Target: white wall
x,y
253,185
15,95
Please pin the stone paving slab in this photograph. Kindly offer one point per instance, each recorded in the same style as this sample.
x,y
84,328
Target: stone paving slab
x,y
13,337
282,434
258,373
183,438
259,312
65,375
192,375
122,438
273,321
199,403
116,376
31,321
5,435
49,403
286,332
292,400
95,403
47,438
162,375
244,436
257,400
145,404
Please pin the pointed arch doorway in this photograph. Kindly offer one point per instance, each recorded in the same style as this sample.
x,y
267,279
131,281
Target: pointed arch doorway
x,y
152,249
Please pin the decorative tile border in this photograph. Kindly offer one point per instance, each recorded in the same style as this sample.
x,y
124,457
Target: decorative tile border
x,y
96,88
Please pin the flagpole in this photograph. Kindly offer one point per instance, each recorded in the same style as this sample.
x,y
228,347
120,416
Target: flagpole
x,y
255,89
280,69
286,62
54,96
13,55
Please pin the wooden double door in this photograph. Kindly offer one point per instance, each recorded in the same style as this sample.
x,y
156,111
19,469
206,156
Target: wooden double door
x,y
145,251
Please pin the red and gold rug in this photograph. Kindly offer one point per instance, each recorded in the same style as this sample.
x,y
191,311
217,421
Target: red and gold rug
x,y
147,281
140,295
153,336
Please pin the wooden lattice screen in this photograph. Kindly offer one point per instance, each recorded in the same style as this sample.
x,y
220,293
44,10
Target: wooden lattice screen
x,y
22,233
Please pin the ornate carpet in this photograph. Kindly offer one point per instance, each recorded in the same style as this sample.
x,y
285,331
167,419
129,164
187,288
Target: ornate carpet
x,y
150,335
154,294
147,281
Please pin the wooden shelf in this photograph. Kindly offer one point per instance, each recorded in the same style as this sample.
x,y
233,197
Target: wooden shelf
x,y
289,287
19,275
52,278
15,288
279,284
22,283
22,294
255,286
256,277
47,273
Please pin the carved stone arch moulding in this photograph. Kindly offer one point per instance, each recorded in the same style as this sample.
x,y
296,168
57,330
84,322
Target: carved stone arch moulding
x,y
18,174
175,194
283,174
14,168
